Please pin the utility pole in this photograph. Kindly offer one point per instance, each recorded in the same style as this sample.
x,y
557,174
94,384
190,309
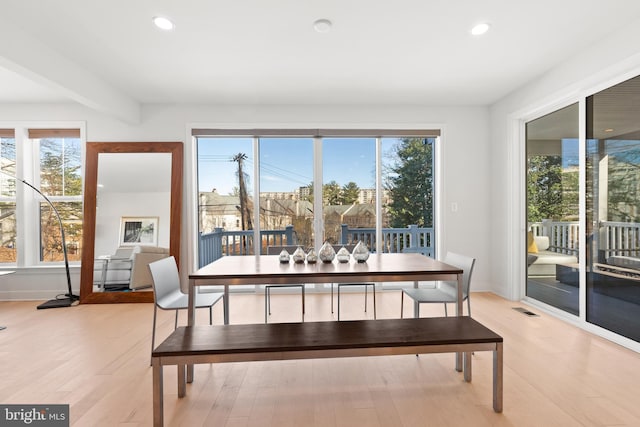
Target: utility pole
x,y
245,213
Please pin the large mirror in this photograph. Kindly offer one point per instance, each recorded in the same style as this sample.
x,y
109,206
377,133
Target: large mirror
x,y
132,216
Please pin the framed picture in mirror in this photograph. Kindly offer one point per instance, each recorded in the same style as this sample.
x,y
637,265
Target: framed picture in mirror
x,y
139,231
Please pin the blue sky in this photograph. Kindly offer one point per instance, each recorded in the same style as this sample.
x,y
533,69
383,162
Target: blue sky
x,y
287,163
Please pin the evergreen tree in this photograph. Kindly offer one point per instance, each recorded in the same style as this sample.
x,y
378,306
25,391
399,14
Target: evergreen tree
x,y
349,193
544,188
331,193
410,184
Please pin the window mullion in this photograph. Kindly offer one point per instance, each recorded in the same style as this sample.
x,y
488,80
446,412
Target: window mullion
x,y
318,216
257,247
32,199
318,222
27,205
379,194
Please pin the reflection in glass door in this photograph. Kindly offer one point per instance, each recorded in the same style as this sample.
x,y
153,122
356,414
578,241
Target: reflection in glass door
x,y
552,209
613,210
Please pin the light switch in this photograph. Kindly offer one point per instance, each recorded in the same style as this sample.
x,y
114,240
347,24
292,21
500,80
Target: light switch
x,y
454,207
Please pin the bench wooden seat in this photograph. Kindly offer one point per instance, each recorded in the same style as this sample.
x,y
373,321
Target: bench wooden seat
x,y
310,340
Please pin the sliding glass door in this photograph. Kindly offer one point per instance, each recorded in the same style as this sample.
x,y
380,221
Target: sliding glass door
x,y
613,209
607,280
552,209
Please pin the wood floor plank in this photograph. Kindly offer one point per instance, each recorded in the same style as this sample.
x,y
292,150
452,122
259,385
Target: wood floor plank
x,y
96,359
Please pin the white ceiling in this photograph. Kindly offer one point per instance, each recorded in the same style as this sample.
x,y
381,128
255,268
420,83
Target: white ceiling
x,y
107,55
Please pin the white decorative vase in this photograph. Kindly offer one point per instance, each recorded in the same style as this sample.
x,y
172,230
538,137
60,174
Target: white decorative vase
x,y
343,255
312,257
327,254
361,252
299,255
284,256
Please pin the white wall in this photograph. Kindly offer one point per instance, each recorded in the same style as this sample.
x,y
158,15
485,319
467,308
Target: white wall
x,y
465,166
611,60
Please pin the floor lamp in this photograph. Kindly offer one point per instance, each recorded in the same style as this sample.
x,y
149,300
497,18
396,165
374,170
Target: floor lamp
x,y
69,298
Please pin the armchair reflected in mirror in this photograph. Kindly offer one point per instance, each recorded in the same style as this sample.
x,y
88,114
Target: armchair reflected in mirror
x,y
132,211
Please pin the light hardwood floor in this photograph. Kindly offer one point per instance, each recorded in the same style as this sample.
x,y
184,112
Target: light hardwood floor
x,y
96,358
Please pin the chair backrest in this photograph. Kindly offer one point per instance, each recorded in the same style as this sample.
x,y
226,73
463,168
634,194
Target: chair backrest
x,y
166,280
466,264
123,252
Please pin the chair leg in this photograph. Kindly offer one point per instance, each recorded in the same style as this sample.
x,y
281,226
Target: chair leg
x,y
445,310
374,301
269,301
175,325
365,296
303,308
338,302
211,314
469,306
332,298
401,304
266,305
153,331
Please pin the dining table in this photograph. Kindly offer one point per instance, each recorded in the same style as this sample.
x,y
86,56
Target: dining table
x,y
236,270
258,269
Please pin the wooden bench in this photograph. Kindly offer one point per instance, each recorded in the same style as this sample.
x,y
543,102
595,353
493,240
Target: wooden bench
x,y
310,340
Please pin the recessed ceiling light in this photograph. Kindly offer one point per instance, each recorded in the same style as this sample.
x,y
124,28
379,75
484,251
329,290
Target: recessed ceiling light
x,y
322,25
480,29
163,23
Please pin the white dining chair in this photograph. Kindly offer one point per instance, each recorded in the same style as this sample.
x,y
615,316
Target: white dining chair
x,y
444,292
168,295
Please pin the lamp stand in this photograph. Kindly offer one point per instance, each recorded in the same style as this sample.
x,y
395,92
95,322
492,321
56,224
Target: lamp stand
x,y
69,298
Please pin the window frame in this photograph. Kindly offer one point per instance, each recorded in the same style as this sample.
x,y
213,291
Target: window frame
x,y
28,202
423,131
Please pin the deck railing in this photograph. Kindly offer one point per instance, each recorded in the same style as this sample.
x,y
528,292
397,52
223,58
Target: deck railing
x,y
614,238
619,238
394,240
563,235
219,242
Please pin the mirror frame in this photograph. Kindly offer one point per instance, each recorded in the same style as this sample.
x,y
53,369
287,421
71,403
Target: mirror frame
x,y
93,149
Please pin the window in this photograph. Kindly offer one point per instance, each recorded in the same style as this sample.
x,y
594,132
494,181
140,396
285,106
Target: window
x,y
56,154
377,187
408,194
286,190
7,196
349,187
